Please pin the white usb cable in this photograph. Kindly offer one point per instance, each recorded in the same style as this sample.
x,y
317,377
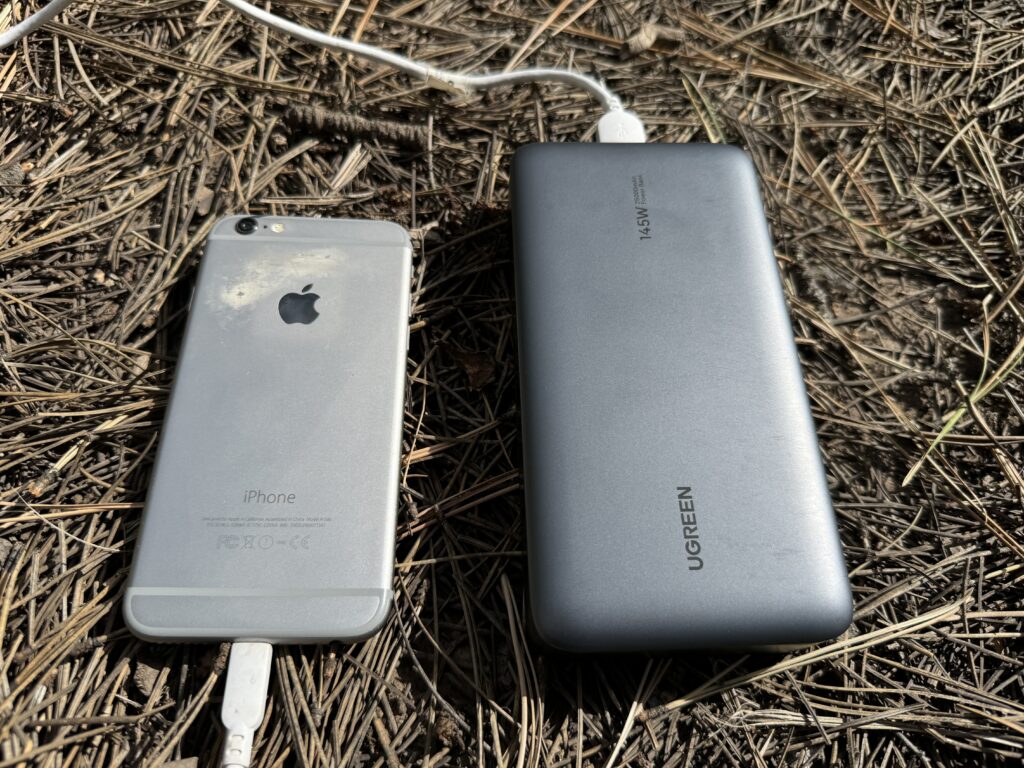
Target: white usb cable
x,y
616,125
33,22
245,700
441,78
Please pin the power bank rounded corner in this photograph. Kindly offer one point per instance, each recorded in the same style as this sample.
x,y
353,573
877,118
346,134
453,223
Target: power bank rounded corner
x,y
834,614
555,623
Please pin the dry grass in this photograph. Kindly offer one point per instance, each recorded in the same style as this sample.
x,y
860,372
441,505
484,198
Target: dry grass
x,y
889,140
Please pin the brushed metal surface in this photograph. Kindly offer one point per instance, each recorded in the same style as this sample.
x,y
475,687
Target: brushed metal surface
x,y
653,364
310,413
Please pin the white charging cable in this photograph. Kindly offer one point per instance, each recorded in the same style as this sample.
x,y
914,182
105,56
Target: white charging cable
x,y
441,78
616,125
33,22
245,700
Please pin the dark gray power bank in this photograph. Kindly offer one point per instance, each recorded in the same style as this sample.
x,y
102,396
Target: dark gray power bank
x,y
675,493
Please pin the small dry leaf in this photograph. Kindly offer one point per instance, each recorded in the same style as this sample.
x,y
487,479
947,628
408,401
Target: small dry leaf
x,y
447,731
38,486
479,367
204,200
141,364
6,545
145,677
11,175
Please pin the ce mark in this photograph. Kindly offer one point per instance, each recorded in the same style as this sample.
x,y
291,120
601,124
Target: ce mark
x,y
299,542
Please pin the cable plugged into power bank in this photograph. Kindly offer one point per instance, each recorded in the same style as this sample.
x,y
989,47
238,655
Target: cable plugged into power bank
x,y
621,126
616,126
245,700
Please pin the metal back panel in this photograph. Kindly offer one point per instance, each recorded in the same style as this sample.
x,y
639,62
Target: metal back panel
x,y
271,511
675,492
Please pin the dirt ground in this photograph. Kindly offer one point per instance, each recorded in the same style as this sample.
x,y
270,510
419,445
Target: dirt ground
x,y
889,140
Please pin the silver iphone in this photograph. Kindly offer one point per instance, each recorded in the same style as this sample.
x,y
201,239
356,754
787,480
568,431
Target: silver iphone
x,y
271,511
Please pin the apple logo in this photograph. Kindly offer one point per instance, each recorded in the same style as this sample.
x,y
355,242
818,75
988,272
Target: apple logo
x,y
299,307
